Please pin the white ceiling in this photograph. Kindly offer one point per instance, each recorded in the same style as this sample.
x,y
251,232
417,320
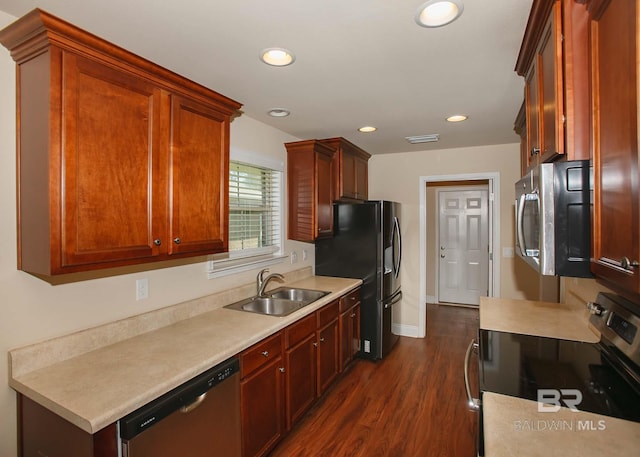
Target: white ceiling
x,y
358,62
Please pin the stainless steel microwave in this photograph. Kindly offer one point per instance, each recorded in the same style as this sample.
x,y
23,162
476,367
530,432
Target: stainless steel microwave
x,y
553,224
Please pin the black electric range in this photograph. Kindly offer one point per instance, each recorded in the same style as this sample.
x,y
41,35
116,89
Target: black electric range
x,y
602,378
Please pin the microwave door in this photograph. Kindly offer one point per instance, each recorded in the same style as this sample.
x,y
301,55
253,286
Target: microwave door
x,y
528,229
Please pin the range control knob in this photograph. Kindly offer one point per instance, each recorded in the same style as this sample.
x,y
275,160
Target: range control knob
x,y
595,309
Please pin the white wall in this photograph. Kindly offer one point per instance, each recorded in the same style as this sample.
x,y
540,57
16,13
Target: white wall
x,y
397,177
31,310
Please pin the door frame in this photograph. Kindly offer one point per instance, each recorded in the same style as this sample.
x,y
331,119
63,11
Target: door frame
x,y
460,188
494,235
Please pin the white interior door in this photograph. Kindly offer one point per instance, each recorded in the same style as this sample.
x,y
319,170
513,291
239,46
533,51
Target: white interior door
x,y
463,251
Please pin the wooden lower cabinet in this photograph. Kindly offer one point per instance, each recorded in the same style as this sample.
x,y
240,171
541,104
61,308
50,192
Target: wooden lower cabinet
x,y
300,368
349,327
261,396
42,432
328,346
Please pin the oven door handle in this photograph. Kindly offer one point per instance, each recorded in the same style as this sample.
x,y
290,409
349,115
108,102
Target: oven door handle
x,y
473,403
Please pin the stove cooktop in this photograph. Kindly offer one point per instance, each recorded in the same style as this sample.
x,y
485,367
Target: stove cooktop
x,y
586,376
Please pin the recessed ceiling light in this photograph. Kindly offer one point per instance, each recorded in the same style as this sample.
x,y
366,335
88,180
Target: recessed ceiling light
x,y
430,138
436,13
367,129
278,57
457,118
279,112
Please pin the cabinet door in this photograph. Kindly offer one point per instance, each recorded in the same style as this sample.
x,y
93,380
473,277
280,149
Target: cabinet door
x,y
324,186
616,230
551,85
262,409
112,193
349,182
300,375
199,178
355,331
532,100
328,355
362,179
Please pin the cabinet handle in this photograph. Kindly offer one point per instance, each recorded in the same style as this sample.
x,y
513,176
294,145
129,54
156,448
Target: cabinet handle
x,y
535,151
265,353
177,240
157,242
281,369
628,264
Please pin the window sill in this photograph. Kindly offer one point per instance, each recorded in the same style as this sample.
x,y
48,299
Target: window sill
x,y
226,267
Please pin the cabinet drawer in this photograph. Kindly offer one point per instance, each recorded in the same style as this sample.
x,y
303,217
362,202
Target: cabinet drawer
x,y
328,313
261,353
349,300
300,330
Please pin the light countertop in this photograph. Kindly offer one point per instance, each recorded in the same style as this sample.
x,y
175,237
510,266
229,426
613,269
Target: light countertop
x,y
551,320
515,427
110,378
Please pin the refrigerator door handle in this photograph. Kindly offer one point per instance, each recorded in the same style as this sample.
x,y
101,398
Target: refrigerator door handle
x,y
395,299
396,230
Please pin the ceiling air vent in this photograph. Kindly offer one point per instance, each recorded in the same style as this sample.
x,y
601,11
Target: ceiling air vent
x,y
431,138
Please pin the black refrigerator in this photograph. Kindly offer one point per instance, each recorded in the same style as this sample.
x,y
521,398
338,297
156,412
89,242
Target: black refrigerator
x,y
367,245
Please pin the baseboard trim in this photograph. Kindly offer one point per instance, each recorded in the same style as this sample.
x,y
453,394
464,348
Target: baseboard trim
x,y
406,330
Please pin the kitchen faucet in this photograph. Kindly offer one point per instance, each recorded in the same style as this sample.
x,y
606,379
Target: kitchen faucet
x,y
261,283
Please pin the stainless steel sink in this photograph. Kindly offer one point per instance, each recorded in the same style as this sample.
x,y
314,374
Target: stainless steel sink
x,y
279,302
302,295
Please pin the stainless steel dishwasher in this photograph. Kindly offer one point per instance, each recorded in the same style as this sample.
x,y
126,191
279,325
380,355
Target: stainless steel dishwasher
x,y
200,418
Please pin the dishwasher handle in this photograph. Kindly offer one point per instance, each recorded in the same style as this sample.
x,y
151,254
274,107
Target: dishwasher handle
x,y
473,403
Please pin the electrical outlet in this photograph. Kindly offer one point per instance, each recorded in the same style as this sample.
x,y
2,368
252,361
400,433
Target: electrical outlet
x,y
294,256
142,289
305,254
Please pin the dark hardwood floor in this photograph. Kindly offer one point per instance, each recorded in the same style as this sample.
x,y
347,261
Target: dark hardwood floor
x,y
412,403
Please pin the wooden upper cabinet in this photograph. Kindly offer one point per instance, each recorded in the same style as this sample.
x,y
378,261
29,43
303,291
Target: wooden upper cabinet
x,y
310,189
553,60
117,157
199,178
111,131
520,127
351,180
614,53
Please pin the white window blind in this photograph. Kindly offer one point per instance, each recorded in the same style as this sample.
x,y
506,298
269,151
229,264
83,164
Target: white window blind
x,y
254,210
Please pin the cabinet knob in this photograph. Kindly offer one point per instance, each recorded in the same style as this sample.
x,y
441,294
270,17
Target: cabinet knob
x,y
265,353
177,240
322,340
281,369
157,242
315,344
353,315
535,151
442,256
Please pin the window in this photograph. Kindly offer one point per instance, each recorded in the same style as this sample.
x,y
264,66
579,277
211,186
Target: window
x,y
255,215
254,209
